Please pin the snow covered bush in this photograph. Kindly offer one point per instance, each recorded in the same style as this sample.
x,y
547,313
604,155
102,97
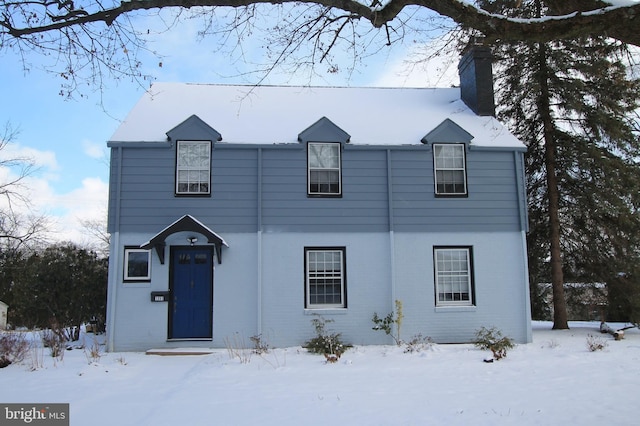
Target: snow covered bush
x,y
56,342
493,340
13,348
595,343
327,343
418,343
260,346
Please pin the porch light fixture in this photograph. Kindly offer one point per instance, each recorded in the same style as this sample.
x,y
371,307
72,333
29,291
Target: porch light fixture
x,y
192,240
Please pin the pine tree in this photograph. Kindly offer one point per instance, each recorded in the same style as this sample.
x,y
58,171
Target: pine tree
x,y
574,104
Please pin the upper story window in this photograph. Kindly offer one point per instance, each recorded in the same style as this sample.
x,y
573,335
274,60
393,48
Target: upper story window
x,y
193,168
453,276
325,281
450,170
324,164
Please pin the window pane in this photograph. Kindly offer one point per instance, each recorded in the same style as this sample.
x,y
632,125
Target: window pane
x,y
450,181
325,182
449,156
137,264
324,155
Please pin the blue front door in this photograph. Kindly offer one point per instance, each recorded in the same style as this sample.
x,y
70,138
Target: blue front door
x,y
191,307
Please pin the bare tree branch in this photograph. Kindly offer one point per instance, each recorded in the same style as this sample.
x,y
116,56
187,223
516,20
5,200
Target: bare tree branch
x,y
568,18
16,227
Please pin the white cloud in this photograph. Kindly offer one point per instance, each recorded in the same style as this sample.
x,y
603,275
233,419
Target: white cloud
x,y
44,159
33,187
93,149
86,203
66,211
419,67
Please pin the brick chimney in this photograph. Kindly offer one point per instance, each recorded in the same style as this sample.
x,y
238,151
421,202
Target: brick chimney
x,y
476,77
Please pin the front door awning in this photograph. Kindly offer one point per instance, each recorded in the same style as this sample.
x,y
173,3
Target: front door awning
x,y
186,223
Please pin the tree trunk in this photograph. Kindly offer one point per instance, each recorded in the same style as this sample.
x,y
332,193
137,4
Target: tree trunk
x,y
617,334
557,279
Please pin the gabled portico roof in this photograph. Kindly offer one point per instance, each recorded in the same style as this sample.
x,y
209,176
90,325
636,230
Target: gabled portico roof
x,y
186,223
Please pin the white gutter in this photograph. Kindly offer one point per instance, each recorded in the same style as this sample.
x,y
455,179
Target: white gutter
x,y
259,242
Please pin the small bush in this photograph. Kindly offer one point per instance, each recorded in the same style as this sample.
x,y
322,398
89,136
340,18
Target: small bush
x,y
326,343
418,343
55,342
386,324
94,353
236,348
13,348
493,340
595,343
259,345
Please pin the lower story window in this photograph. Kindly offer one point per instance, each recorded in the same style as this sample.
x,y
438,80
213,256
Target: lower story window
x,y
137,264
453,276
325,281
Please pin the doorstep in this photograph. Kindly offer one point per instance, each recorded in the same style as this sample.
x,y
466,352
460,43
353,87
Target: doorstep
x,y
180,351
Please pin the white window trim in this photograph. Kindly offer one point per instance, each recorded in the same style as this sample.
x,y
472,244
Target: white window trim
x,y
338,169
308,278
463,169
442,303
127,252
179,169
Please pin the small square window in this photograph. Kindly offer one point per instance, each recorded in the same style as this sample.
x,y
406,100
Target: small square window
x,y
450,170
453,276
137,264
324,174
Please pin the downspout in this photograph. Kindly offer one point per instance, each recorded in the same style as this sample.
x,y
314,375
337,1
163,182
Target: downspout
x,y
114,254
259,242
524,227
392,243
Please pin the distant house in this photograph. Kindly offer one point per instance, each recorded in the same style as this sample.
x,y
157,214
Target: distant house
x,y
238,211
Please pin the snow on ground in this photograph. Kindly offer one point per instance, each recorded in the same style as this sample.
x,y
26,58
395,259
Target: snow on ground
x,y
555,380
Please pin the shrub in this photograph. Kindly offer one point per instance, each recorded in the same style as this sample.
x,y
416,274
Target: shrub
x,y
13,348
94,353
418,343
54,341
236,348
386,324
259,345
327,343
493,340
595,343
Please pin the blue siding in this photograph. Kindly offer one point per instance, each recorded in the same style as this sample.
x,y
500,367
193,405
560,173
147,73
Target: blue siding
x,y
264,294
277,201
285,203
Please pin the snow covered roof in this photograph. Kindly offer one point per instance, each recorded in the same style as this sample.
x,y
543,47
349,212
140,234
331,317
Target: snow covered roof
x,y
277,114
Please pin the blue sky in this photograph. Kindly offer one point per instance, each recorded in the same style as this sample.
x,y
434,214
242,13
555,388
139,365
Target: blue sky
x,y
68,137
